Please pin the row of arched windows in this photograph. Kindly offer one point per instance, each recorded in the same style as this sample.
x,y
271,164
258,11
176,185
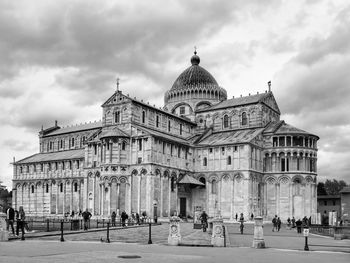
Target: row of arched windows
x,y
226,120
61,143
229,161
75,188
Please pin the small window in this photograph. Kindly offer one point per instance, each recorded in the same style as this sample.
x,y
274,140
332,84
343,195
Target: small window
x,y
139,160
325,203
95,149
123,146
229,161
214,187
75,187
157,121
34,168
235,148
225,124
180,129
205,161
78,164
333,202
223,150
179,152
21,169
73,142
47,188
70,165
140,144
244,118
182,110
210,150
169,126
172,184
32,189
143,117
117,117
61,187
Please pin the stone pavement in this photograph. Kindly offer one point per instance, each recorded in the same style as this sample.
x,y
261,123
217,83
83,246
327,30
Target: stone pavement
x,y
40,251
285,239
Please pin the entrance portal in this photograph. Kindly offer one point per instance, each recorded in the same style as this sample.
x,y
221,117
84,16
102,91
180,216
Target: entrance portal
x,y
182,207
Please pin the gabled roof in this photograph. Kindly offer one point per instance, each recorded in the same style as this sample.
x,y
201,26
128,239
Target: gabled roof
x,y
53,156
76,128
114,132
266,98
149,106
162,135
230,137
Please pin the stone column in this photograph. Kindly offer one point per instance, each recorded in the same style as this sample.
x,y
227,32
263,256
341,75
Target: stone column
x,y
139,194
118,196
110,198
161,196
169,199
232,180
277,198
258,233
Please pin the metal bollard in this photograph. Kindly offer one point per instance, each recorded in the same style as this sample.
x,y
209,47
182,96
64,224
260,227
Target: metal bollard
x,y
62,239
107,240
224,234
306,235
149,233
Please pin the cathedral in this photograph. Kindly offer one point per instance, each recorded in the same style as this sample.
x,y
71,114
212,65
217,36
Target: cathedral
x,y
201,151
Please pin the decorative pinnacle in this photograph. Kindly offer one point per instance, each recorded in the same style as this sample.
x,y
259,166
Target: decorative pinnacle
x,y
117,84
269,84
195,50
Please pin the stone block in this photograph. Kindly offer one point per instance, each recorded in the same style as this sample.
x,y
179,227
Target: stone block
x,y
217,237
4,234
258,241
174,237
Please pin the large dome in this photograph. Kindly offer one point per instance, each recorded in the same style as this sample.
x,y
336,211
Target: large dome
x,y
194,76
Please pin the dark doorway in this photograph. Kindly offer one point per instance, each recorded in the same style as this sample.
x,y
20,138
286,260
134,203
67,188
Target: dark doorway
x,y
182,207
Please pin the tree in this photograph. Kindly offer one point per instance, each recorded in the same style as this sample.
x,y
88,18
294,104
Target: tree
x,y
321,189
334,187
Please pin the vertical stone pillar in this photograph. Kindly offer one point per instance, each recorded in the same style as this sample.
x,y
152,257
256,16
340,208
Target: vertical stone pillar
x,y
217,237
139,194
161,195
232,180
174,237
118,196
278,198
4,234
258,241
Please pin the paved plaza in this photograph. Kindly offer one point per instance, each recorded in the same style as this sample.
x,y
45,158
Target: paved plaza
x,y
285,245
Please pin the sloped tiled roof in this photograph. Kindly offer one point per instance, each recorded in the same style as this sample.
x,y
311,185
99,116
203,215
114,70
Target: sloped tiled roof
x,y
53,156
163,135
77,128
190,180
289,129
237,102
230,137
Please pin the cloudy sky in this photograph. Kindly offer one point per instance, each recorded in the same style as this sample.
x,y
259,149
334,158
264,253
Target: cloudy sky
x,y
59,61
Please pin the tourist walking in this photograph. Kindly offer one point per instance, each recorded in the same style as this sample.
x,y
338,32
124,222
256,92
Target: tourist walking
x,y
204,221
278,224
241,226
20,218
274,223
293,222
298,224
137,218
113,217
236,216
10,216
124,217
86,217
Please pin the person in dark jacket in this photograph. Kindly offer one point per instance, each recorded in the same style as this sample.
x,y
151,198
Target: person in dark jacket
x,y
20,217
278,224
113,217
10,216
124,217
298,224
86,217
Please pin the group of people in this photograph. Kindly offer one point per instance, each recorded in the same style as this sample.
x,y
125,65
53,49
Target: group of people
x,y
13,216
276,222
